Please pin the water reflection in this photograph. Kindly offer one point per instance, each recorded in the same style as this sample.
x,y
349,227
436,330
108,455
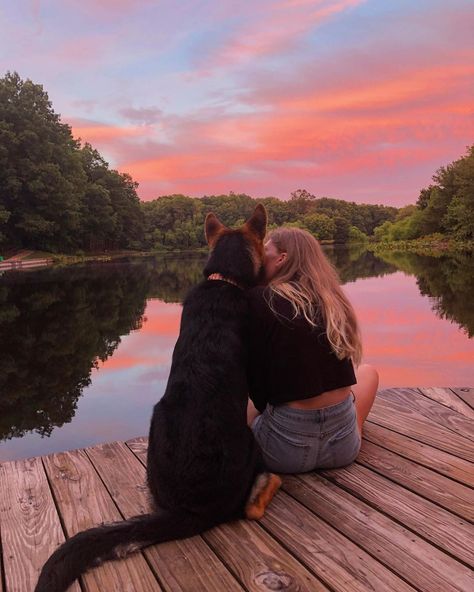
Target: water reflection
x,y
448,280
57,325
356,262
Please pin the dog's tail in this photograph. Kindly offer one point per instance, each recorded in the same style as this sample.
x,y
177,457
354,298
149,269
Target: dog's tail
x,y
92,547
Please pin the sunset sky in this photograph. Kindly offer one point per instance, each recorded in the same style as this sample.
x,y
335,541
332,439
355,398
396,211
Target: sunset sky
x,y
353,99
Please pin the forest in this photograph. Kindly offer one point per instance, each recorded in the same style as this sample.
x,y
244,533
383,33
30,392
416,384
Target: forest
x,y
61,196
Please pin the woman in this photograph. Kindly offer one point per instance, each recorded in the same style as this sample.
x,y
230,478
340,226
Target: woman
x,y
307,403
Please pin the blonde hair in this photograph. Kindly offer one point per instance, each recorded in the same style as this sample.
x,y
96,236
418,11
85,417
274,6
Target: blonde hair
x,y
310,283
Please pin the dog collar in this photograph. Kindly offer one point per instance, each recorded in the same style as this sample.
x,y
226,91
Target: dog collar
x,y
219,276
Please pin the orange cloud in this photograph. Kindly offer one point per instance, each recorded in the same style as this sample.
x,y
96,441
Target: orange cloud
x,y
425,83
99,133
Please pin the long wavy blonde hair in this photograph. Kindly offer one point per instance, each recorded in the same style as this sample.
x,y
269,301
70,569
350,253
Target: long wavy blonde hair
x,y
308,280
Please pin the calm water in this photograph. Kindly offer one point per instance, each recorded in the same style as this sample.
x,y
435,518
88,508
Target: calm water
x,y
85,351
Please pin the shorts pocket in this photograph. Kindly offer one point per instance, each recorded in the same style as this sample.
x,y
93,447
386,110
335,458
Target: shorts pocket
x,y
342,446
283,451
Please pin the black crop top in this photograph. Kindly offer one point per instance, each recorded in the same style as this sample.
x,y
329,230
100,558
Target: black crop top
x,y
289,359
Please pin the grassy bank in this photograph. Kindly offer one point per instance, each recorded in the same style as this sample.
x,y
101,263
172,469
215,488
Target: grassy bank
x,y
428,245
101,257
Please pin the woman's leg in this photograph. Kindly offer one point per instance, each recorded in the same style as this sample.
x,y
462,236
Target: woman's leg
x,y
365,391
252,412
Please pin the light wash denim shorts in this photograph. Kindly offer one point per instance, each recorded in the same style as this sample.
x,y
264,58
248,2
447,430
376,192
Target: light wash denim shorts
x,y
301,440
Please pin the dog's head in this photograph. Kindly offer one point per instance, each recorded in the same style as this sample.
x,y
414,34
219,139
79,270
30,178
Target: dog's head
x,y
237,254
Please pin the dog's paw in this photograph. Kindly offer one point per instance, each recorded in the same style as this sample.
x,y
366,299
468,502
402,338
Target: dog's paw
x,y
263,490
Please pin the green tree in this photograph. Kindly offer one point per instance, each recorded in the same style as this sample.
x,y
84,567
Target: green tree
x,y
41,178
320,225
98,215
459,217
341,232
383,232
357,236
300,201
55,195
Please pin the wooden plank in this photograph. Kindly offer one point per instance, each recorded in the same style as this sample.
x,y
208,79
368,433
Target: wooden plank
x,y
181,565
139,447
258,561
408,555
455,497
466,394
84,502
336,560
252,555
448,398
2,573
396,416
442,462
31,528
443,529
431,410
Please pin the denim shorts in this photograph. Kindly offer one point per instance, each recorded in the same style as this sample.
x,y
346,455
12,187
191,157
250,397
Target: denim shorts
x,y
300,440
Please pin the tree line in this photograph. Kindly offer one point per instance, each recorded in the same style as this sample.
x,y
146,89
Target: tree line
x,y
176,221
60,196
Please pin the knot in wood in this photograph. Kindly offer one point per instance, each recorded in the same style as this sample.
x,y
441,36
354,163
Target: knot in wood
x,y
274,580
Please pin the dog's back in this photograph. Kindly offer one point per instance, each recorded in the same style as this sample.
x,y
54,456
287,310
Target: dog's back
x,y
202,456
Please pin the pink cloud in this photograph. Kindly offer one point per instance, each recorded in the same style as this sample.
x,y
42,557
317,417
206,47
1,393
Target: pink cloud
x,y
274,28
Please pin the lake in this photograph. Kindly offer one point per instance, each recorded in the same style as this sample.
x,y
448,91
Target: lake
x,y
86,350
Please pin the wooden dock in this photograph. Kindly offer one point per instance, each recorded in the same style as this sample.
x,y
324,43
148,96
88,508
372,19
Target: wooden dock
x,y
24,265
398,519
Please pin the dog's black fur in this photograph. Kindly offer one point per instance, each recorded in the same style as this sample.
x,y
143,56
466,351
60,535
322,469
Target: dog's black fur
x,y
202,457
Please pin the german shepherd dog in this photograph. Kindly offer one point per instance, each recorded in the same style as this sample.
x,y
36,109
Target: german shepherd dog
x,y
204,466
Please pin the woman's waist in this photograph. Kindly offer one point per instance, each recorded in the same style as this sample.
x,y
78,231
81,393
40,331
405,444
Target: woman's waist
x,y
304,420
325,399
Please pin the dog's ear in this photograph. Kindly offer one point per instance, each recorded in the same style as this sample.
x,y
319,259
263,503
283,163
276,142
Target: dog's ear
x,y
212,228
257,223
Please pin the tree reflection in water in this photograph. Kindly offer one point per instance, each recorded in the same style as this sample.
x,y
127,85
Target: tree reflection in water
x,y
57,324
448,280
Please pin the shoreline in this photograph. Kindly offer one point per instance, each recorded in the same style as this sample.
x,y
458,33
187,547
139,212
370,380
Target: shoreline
x,y
429,246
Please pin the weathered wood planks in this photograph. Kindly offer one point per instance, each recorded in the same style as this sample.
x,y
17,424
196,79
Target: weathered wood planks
x,y
336,560
407,554
84,502
258,561
30,526
440,527
466,394
455,497
432,411
423,454
448,398
396,519
394,410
